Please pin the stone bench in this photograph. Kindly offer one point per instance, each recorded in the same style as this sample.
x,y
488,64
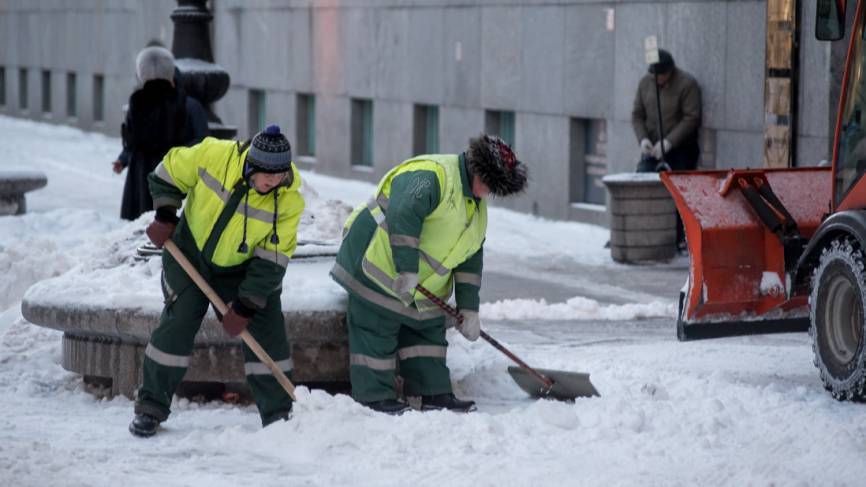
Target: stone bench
x,y
643,218
106,345
13,186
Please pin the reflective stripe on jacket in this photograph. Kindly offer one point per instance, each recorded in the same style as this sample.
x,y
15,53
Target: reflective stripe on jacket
x,y
209,176
451,234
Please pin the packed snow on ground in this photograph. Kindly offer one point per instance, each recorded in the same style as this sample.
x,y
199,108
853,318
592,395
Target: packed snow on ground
x,y
576,308
740,411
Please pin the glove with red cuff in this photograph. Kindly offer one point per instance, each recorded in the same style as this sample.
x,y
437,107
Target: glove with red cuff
x,y
163,225
238,318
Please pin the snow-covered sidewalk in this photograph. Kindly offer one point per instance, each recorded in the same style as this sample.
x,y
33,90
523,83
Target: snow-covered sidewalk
x,y
739,411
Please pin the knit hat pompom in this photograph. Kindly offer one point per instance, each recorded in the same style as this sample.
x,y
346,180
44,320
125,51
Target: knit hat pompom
x,y
270,152
495,163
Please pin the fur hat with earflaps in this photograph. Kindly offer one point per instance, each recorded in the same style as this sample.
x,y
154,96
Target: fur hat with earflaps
x,y
494,162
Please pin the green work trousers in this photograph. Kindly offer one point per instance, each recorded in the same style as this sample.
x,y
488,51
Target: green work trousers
x,y
168,354
379,339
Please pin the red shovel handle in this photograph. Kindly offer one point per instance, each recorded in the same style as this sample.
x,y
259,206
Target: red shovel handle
x,y
548,384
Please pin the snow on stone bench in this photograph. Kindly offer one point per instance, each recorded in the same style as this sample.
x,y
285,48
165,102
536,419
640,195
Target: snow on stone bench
x,y
13,185
108,307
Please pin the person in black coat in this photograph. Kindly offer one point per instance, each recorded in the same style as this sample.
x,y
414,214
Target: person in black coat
x,y
159,116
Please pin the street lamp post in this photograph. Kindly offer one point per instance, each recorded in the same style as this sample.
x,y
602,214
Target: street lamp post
x,y
200,76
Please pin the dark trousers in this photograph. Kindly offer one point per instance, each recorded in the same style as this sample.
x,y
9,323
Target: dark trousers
x,y
681,158
171,345
379,340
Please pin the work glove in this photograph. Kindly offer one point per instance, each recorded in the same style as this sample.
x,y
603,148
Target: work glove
x,y
237,319
450,321
471,326
646,147
657,149
162,227
404,285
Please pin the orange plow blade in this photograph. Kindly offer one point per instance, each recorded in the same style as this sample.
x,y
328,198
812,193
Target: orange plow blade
x,y
743,252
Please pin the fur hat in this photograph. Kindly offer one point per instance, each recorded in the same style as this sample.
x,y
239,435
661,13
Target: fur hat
x,y
497,166
270,152
154,62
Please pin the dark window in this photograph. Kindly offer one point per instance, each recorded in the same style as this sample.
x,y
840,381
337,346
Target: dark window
x,y
2,86
71,95
46,91
306,123
23,95
500,123
98,98
426,130
588,160
362,132
256,112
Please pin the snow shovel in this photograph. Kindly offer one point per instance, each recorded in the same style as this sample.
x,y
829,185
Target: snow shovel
x,y
223,309
544,383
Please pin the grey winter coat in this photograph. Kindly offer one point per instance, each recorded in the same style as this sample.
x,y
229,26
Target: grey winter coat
x,y
681,108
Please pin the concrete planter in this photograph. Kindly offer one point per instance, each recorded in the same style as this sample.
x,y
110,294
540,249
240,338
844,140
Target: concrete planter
x,y
643,222
109,344
104,339
13,186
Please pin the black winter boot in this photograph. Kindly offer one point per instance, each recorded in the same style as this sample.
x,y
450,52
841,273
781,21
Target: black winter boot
x,y
446,401
143,425
388,406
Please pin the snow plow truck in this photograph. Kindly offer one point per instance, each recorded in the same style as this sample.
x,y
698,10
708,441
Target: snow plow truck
x,y
780,250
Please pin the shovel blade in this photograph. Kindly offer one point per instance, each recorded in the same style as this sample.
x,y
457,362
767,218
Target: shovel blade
x,y
566,385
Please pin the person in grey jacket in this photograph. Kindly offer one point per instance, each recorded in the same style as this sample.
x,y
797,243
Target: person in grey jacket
x,y
676,142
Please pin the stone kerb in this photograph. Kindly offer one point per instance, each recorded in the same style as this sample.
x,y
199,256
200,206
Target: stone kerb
x,y
13,186
643,223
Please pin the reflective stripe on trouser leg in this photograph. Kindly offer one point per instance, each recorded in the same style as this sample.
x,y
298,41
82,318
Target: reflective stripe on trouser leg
x,y
268,328
372,351
422,350
167,355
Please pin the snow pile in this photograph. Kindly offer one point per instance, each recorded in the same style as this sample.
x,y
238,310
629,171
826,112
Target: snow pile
x,y
38,246
576,308
532,237
109,276
322,220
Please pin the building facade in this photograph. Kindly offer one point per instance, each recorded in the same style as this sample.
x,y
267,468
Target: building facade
x,y
360,85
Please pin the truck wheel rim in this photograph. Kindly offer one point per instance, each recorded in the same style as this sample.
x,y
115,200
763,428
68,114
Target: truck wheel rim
x,y
844,319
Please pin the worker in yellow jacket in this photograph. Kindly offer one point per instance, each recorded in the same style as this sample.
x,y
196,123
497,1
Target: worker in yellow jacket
x,y
425,225
239,229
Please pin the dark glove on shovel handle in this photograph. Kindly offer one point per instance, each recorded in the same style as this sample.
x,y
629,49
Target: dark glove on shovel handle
x,y
162,227
237,319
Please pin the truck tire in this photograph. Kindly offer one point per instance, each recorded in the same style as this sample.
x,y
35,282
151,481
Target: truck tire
x,y
838,321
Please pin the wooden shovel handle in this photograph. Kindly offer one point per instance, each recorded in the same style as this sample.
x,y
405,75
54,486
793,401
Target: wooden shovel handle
x,y
223,309
548,384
